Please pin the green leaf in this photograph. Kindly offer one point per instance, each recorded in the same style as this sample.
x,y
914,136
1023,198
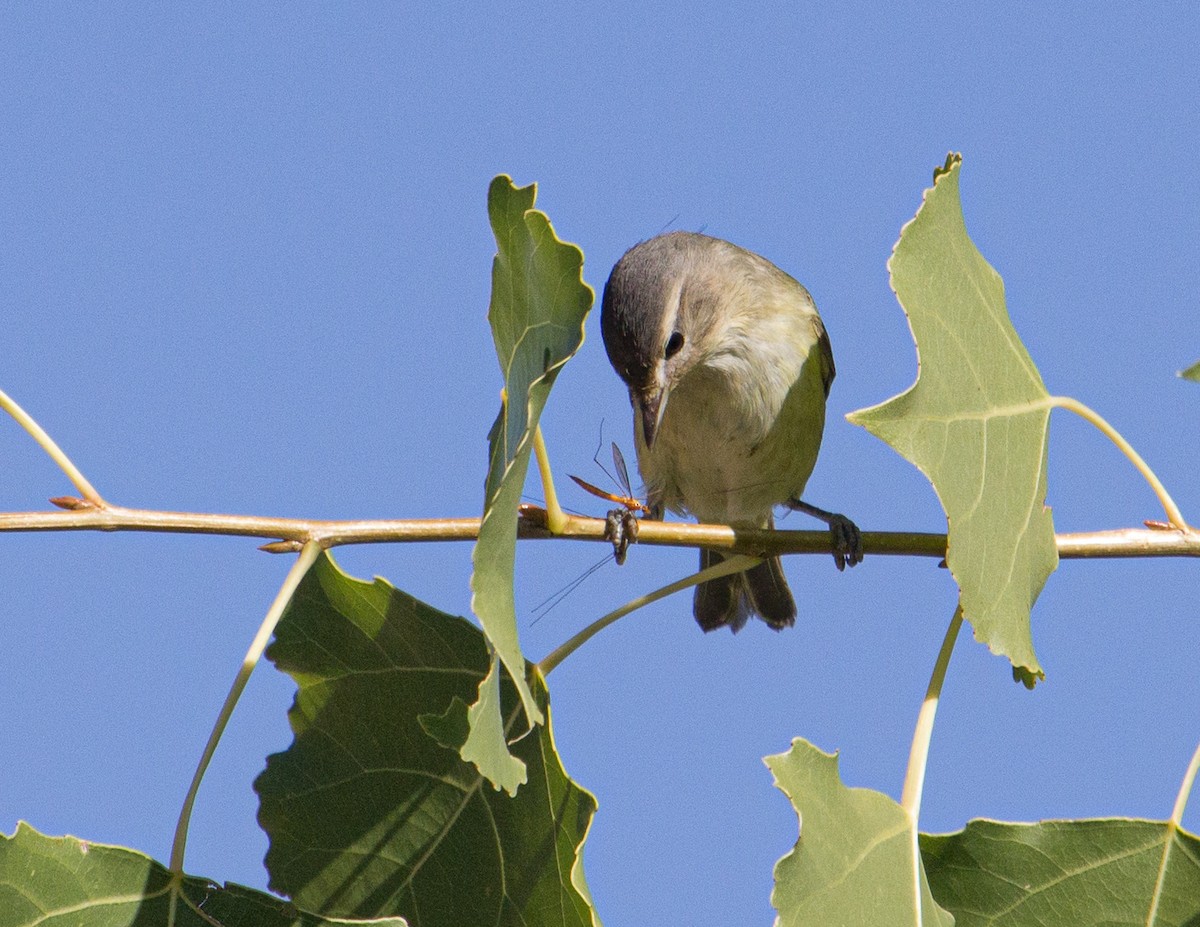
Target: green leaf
x,y
539,303
486,744
1101,872
371,810
1192,372
854,861
68,882
975,422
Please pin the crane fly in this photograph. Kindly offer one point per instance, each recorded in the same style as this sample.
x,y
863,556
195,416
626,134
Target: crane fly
x,y
630,503
621,526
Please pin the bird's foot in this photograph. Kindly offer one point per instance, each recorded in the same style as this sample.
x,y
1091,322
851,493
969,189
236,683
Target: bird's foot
x,y
847,540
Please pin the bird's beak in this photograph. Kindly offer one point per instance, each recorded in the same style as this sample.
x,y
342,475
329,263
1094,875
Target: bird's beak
x,y
651,403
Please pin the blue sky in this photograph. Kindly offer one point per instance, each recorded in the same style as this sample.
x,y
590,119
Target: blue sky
x,y
245,269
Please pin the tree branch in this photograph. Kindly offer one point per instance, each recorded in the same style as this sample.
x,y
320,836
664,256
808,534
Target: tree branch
x,y
295,532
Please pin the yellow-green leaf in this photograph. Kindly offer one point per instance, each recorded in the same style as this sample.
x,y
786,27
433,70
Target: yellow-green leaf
x,y
1192,372
975,422
485,746
539,303
855,860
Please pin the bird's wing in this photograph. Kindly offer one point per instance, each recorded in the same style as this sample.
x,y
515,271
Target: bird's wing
x,y
828,371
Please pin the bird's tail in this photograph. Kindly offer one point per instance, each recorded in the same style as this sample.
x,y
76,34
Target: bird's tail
x,y
731,600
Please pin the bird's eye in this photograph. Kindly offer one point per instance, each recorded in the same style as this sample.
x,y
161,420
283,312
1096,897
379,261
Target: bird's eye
x,y
674,344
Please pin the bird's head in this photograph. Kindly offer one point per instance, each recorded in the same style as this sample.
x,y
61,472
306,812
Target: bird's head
x,y
658,316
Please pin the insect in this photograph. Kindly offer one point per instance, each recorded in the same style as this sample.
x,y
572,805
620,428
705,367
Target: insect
x,y
621,525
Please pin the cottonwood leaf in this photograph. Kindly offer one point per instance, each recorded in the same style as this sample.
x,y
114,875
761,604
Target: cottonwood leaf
x,y
1099,872
539,303
975,422
485,745
68,882
1192,372
372,811
854,861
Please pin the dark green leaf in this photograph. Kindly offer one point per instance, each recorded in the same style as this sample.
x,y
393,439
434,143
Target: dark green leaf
x,y
371,810
67,882
1100,872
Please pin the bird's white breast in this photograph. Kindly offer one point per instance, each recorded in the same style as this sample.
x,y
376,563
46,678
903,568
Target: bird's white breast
x,y
742,428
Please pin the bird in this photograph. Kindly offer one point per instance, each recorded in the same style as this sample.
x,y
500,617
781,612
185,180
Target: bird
x,y
728,367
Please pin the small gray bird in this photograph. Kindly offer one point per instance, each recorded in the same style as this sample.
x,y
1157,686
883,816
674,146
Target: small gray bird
x,y
728,367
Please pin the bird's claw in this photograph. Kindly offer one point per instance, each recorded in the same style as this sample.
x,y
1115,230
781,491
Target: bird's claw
x,y
847,541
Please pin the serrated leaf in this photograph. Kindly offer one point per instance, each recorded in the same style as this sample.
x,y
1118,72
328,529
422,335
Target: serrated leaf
x,y
853,862
539,303
1097,872
975,422
371,810
68,882
1192,372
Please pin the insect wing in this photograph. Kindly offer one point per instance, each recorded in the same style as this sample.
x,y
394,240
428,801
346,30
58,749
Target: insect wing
x,y
622,472
622,478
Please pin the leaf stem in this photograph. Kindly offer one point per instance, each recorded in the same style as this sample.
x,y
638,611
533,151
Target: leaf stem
x,y
26,421
1174,516
724,568
556,518
1173,826
308,556
918,756
1185,790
